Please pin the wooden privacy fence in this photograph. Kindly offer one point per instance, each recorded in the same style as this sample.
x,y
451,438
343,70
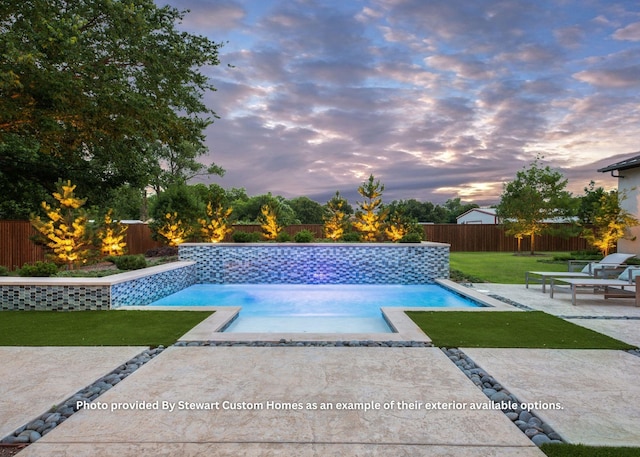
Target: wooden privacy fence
x,y
16,247
491,238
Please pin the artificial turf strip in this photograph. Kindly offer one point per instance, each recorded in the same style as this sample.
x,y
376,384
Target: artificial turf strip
x,y
509,329
96,328
579,450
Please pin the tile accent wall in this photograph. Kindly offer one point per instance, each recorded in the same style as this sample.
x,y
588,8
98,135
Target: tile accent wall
x,y
134,288
143,291
323,263
54,297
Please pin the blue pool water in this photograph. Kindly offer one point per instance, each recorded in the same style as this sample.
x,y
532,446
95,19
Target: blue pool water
x,y
333,308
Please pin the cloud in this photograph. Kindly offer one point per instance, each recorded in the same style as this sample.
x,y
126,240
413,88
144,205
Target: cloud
x,y
629,33
437,99
570,37
206,16
619,78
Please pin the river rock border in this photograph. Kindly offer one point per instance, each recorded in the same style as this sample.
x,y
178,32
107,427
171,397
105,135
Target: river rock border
x,y
532,426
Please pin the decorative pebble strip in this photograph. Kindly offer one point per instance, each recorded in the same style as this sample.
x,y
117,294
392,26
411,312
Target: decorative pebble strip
x,y
511,302
39,427
285,343
538,431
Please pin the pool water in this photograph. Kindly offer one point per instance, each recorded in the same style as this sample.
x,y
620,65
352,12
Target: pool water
x,y
331,308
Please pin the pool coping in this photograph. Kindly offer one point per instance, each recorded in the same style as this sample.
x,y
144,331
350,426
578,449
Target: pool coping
x,y
103,281
404,328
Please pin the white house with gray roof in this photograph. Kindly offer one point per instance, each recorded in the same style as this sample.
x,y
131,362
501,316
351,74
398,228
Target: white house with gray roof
x,y
628,174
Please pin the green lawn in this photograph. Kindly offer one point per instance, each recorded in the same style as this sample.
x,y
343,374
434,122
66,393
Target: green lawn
x,y
96,328
579,450
509,329
503,267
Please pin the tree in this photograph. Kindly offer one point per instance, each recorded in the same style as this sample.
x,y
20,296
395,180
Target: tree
x,y
400,224
65,230
307,211
89,88
455,208
215,227
421,211
250,210
608,221
112,236
372,214
182,205
173,230
529,202
336,218
176,165
271,226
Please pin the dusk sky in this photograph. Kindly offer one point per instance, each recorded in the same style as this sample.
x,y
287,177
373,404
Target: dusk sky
x,y
436,98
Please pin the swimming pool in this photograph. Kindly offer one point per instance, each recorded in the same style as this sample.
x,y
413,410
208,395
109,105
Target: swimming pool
x,y
314,308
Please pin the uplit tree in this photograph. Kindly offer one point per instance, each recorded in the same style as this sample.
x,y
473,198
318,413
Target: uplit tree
x,y
269,222
371,216
112,236
607,221
400,225
336,218
65,230
530,201
215,227
173,230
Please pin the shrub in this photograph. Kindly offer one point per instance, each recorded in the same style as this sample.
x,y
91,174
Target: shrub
x,y
130,262
4,271
303,236
39,269
283,237
412,237
245,237
351,237
163,251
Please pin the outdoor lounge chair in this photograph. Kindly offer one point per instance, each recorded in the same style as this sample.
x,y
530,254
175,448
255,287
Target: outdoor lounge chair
x,y
609,266
624,286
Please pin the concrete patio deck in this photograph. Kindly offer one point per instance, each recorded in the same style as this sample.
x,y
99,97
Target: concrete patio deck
x,y
339,377
597,389
33,379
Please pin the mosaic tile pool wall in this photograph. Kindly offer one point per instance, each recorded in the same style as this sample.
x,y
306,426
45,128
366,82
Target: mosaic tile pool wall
x,y
80,294
41,297
322,263
143,291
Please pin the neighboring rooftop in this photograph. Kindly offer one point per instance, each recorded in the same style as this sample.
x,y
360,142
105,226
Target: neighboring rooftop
x,y
633,162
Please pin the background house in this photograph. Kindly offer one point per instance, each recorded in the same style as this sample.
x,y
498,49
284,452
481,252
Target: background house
x,y
478,216
628,174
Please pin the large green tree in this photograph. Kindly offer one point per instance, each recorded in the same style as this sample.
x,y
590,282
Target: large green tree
x,y
534,198
307,211
97,91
